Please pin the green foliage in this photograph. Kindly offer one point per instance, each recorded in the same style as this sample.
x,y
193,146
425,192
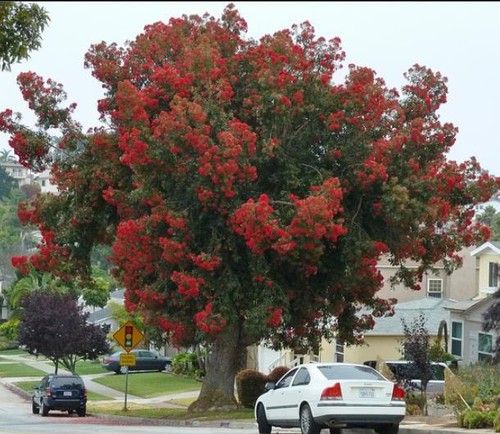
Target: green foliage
x,y
7,183
21,27
473,418
438,354
250,384
10,329
186,364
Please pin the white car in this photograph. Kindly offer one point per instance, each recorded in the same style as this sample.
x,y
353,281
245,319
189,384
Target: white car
x,y
314,396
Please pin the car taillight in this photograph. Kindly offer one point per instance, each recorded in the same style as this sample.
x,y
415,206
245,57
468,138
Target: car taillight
x,y
48,393
398,394
332,392
85,393
107,360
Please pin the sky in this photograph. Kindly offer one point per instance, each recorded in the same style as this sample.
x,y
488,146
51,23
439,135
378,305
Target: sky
x,y
461,40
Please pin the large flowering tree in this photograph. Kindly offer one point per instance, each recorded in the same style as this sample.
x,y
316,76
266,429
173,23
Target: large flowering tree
x,y
246,194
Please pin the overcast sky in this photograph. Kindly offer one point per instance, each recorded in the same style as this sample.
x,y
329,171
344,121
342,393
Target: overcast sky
x,y
459,39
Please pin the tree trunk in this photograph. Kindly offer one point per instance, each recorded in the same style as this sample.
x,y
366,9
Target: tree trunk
x,y
224,362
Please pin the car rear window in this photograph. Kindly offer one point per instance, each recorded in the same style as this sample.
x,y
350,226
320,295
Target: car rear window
x,y
345,372
68,382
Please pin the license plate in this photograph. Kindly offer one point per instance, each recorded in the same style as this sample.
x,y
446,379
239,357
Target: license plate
x,y
366,392
68,393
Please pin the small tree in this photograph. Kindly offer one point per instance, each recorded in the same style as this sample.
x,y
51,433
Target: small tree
x,y
416,346
56,326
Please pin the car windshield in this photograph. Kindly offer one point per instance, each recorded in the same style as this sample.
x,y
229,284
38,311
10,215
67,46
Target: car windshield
x,y
67,382
349,372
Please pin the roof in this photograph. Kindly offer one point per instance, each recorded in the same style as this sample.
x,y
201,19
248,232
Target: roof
x,y
434,310
488,247
467,306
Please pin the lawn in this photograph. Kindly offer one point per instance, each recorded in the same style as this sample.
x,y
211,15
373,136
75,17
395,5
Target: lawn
x,y
150,384
151,412
19,370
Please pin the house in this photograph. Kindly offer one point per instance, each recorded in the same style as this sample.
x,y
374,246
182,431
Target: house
x,y
468,342
103,316
384,341
453,302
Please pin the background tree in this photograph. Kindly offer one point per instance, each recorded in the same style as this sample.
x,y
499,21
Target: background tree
x,y
56,326
21,27
7,183
416,348
491,218
248,196
491,322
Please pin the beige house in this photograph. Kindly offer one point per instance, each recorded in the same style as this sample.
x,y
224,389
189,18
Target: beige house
x,y
453,302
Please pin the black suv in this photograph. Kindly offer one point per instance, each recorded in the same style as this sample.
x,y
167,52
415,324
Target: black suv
x,y
60,392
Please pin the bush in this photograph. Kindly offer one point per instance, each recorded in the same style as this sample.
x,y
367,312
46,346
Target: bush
x,y
277,373
250,384
186,364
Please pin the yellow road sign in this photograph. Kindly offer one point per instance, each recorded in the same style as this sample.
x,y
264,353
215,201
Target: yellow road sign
x,y
128,336
127,359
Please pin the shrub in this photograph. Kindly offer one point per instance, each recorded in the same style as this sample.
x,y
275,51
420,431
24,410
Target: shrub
x,y
277,373
250,384
186,364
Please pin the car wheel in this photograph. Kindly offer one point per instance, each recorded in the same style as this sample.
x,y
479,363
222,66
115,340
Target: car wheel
x,y
82,411
264,427
44,409
387,429
162,368
34,408
307,424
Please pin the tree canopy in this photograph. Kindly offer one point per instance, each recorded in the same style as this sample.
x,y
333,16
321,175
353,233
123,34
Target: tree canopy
x,y
21,27
248,193
56,326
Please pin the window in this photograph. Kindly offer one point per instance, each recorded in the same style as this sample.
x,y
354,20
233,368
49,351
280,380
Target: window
x,y
485,347
302,378
339,351
457,334
287,379
493,275
435,288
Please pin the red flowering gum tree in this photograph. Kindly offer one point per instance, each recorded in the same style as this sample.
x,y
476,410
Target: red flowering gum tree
x,y
246,194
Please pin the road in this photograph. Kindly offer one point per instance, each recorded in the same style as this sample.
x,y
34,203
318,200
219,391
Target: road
x,y
16,418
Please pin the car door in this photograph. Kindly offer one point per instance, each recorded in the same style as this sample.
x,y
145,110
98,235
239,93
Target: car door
x,y
276,401
295,393
148,360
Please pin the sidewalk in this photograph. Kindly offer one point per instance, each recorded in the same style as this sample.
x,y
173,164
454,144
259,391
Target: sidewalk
x,y
440,421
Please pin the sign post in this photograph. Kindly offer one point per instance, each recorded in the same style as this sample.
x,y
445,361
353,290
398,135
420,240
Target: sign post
x,y
128,337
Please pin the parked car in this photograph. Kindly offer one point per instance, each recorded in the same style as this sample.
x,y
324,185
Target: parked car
x,y
314,396
60,392
406,374
145,360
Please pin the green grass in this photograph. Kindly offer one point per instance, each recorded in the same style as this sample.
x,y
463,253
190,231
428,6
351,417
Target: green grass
x,y
14,352
28,386
149,385
87,367
151,412
19,370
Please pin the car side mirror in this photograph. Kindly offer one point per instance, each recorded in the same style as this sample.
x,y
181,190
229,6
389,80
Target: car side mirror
x,y
270,385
